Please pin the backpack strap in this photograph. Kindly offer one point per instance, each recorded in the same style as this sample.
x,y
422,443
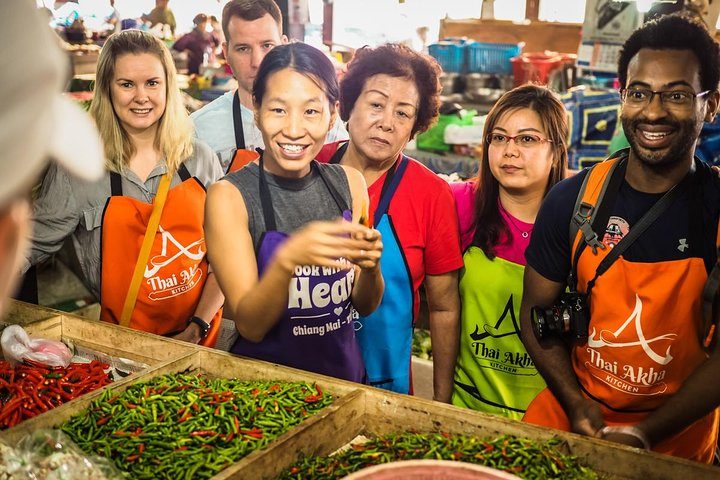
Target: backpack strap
x,y
587,211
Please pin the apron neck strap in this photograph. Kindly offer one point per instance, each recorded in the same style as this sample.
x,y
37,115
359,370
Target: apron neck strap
x,y
116,180
115,184
339,153
237,123
144,255
266,198
392,180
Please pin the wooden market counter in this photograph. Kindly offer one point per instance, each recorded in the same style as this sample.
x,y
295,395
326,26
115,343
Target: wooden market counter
x,y
356,409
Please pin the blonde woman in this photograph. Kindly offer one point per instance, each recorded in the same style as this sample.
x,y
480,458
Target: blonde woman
x,y
149,145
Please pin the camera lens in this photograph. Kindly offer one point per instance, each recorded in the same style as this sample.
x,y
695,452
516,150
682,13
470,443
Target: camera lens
x,y
539,321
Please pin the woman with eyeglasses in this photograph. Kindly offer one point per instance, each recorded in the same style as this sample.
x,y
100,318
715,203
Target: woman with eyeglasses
x,y
523,156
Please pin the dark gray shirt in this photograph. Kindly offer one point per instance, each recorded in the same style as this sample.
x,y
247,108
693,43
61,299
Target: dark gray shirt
x,y
296,201
69,207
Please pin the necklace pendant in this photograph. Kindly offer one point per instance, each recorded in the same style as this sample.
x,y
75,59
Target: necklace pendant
x,y
525,234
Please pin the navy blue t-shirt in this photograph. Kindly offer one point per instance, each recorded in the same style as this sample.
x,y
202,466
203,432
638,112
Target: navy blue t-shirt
x,y
668,238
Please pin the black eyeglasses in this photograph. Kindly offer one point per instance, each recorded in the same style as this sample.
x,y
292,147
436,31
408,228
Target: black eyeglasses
x,y
640,97
526,140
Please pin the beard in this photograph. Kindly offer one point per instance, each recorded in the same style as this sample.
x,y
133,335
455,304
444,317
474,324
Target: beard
x,y
685,134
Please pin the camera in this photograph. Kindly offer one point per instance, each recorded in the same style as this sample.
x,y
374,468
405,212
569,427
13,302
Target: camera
x,y
569,315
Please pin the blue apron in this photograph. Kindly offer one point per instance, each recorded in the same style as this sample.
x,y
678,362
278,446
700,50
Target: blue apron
x,y
385,336
316,331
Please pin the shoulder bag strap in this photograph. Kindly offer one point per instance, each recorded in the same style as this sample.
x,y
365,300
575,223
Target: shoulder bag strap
x,y
144,255
640,227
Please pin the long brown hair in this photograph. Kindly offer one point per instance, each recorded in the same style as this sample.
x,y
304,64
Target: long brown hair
x,y
488,224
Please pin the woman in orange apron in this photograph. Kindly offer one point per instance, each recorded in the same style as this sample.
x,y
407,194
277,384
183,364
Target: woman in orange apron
x,y
138,233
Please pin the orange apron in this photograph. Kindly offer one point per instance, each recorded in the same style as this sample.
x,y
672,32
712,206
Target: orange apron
x,y
643,342
177,270
241,157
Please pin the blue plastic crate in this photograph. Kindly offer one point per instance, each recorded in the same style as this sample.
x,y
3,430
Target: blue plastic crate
x,y
491,57
450,56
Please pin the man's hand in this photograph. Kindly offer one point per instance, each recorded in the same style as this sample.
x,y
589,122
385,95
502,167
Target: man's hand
x,y
585,418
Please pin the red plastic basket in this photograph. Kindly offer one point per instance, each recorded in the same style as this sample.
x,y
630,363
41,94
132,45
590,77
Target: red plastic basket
x,y
536,67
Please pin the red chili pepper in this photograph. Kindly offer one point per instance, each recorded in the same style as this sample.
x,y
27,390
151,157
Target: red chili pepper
x,y
141,448
132,458
253,432
102,421
184,417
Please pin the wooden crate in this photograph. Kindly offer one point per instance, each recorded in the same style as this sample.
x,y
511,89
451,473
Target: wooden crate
x,y
348,396
21,313
377,413
110,339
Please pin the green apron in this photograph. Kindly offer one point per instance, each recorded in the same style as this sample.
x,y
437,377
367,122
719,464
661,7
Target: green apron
x,y
494,373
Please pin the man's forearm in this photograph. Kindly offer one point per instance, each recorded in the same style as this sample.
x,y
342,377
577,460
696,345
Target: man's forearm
x,y
698,396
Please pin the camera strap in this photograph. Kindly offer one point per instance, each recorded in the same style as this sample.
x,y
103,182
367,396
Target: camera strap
x,y
639,228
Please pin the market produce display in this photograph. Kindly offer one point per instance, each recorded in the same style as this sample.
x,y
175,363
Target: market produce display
x,y
522,457
31,388
189,426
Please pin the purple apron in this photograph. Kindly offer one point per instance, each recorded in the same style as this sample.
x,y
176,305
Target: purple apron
x,y
316,331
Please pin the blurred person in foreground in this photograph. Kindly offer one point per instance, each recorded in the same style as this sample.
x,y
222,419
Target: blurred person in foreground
x,y
388,95
37,125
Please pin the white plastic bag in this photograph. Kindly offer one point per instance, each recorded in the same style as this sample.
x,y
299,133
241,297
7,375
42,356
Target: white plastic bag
x,y
18,346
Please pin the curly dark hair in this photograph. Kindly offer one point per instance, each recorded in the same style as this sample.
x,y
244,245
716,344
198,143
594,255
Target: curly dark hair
x,y
676,31
396,61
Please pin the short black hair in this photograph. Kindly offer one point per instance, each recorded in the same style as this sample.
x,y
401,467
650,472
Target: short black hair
x,y
675,32
302,58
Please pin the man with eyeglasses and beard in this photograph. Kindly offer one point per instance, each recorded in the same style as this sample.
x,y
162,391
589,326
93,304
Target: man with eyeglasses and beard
x,y
640,363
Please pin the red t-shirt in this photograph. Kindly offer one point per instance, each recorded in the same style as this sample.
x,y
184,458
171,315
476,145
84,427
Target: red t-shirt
x,y
425,220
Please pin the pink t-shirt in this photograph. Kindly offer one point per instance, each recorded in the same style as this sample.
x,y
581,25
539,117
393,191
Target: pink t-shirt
x,y
513,251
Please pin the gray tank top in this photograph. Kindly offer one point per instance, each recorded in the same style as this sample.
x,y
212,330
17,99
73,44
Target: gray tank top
x,y
296,201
